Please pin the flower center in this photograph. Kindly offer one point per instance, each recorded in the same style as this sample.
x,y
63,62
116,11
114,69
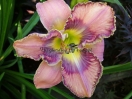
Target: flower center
x,y
69,48
74,37
70,42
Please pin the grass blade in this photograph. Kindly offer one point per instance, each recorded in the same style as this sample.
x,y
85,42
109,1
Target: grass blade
x,y
128,96
12,89
32,22
30,87
2,75
117,68
62,92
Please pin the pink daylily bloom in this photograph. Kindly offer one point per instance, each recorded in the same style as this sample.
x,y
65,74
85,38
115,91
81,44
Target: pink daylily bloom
x,y
72,51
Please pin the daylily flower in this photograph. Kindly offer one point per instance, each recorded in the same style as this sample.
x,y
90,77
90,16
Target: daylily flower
x,y
85,26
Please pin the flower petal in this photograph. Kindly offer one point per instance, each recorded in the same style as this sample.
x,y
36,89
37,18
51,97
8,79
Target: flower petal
x,y
97,49
92,20
29,46
47,76
51,47
53,13
36,46
81,72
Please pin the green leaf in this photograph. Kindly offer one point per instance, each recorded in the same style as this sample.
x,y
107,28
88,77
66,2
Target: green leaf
x,y
20,66
42,0
12,89
2,75
32,22
6,15
23,75
7,52
62,92
128,96
9,63
4,95
74,2
41,94
15,23
117,68
19,30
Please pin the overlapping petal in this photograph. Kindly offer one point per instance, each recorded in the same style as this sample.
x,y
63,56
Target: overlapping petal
x,y
93,20
97,49
53,13
81,72
47,76
29,46
36,46
51,46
